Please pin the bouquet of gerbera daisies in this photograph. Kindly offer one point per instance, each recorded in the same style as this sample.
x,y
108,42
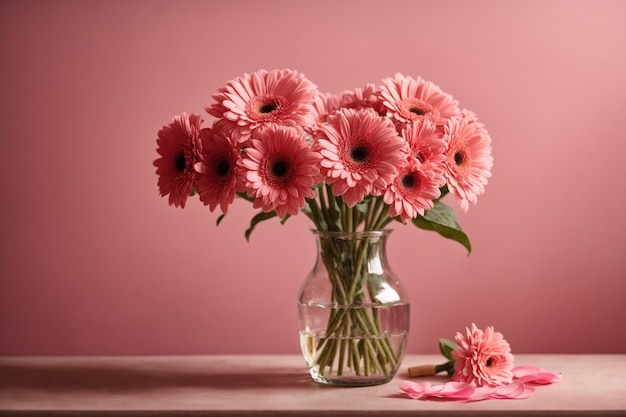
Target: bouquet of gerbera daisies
x,y
350,162
383,153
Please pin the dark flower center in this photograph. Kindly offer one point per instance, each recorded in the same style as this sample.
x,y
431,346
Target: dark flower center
x,y
417,110
409,180
268,107
489,362
222,168
180,162
359,153
279,168
459,158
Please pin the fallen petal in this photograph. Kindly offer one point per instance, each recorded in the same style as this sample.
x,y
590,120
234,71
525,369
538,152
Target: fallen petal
x,y
535,375
459,391
482,393
454,390
515,390
415,390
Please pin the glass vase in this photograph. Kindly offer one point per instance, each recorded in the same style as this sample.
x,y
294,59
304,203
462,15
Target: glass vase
x,y
353,311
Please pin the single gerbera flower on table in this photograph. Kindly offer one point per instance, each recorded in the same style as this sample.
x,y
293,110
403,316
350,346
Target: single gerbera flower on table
x,y
412,99
218,178
361,152
179,145
482,357
264,98
469,160
280,168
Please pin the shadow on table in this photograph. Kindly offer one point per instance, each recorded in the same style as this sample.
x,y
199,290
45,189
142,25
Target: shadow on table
x,y
50,377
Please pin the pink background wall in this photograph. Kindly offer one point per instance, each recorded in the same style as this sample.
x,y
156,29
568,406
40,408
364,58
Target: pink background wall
x,y
93,261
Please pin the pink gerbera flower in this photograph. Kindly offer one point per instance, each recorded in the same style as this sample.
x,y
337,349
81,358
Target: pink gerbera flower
x,y
218,109
426,143
413,191
325,104
263,98
218,179
360,153
470,116
360,98
469,161
179,146
229,129
281,169
409,99
482,358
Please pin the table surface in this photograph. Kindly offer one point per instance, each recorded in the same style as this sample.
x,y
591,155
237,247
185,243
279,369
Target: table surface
x,y
279,385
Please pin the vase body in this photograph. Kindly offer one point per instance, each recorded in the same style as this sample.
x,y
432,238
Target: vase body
x,y
353,311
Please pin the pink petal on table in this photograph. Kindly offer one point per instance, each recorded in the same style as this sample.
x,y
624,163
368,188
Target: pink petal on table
x,y
459,391
454,390
514,390
482,393
535,375
415,390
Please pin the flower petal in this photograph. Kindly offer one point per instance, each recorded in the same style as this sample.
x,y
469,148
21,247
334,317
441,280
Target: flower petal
x,y
535,375
458,391
516,390
415,390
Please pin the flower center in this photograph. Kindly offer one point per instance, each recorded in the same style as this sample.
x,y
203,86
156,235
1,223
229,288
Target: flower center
x,y
180,162
359,153
268,107
279,168
489,362
409,180
417,110
459,158
222,168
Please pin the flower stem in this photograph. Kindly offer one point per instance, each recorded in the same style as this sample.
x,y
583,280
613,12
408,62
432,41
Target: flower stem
x,y
353,333
447,367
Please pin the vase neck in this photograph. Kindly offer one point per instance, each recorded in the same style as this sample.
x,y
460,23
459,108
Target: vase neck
x,y
364,248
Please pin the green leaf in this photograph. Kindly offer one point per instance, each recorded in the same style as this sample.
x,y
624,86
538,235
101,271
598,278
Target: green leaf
x,y
334,211
364,205
444,191
446,347
219,219
258,218
441,219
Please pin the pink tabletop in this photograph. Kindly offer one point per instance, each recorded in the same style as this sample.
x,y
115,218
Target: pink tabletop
x,y
279,385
